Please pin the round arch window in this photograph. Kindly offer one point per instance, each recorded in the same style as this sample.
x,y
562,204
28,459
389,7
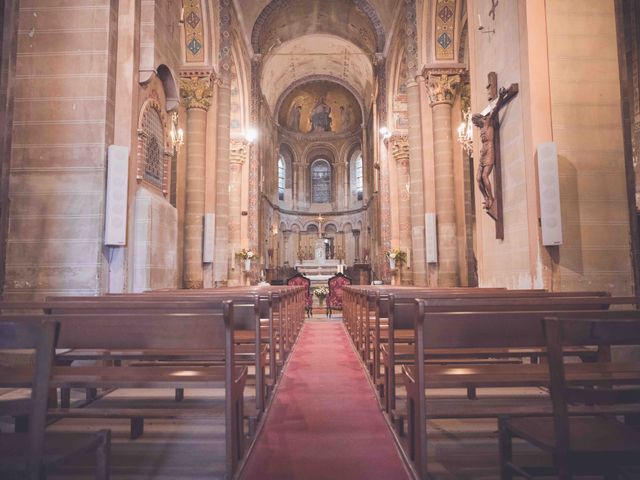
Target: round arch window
x,y
320,181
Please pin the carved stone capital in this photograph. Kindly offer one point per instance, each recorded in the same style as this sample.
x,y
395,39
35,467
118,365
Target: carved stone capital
x,y
442,85
399,148
239,150
197,91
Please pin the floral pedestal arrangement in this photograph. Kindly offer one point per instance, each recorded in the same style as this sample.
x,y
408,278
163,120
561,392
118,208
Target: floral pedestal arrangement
x,y
247,256
321,294
396,259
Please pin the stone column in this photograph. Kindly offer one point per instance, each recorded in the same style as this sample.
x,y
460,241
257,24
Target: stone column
x,y
442,87
356,238
238,154
416,161
286,235
399,145
196,91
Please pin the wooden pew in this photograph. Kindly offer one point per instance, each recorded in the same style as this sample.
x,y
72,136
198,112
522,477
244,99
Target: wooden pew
x,y
181,299
28,455
211,331
586,444
397,348
249,351
488,330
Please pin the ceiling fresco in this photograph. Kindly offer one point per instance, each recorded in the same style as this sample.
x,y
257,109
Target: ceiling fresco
x,y
320,106
384,11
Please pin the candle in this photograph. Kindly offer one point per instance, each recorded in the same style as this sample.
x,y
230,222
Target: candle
x,y
479,22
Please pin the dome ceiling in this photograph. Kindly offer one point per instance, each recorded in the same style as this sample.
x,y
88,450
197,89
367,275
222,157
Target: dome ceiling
x,y
321,16
320,106
300,17
317,39
316,56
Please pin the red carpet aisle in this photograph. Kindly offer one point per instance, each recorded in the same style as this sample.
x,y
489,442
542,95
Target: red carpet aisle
x,y
325,422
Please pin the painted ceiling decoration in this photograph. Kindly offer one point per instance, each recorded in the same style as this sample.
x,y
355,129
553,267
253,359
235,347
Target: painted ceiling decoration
x,y
445,29
282,20
320,106
193,31
316,54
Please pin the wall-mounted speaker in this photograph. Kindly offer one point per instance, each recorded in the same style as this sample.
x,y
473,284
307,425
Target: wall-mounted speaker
x,y
549,191
431,237
208,237
115,218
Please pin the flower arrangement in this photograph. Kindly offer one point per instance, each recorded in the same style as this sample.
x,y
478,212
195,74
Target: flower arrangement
x,y
245,254
397,255
321,292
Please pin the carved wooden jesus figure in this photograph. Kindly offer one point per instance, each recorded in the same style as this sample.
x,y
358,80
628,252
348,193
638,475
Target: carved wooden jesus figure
x,y
489,125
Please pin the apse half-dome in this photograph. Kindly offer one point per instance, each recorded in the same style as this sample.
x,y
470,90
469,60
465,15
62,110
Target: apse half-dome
x,y
320,107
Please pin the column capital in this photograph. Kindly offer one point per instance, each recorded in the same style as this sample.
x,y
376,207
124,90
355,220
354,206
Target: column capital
x,y
196,88
355,232
399,144
442,84
239,150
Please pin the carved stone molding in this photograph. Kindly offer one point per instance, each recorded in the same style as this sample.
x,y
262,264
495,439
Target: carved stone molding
x,y
443,85
197,91
239,151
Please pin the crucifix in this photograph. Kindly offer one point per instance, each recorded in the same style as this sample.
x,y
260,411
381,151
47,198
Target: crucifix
x,y
488,121
320,219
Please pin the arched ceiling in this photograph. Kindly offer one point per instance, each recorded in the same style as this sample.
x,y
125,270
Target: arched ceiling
x,y
286,19
316,55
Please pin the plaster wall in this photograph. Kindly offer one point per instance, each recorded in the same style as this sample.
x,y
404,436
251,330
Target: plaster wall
x,y
64,97
587,126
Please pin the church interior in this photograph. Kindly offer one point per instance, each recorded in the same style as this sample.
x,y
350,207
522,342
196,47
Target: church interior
x,y
320,239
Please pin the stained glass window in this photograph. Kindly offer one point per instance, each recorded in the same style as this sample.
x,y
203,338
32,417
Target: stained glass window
x,y
320,181
358,183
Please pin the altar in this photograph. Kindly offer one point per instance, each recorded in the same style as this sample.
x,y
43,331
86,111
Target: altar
x,y
320,268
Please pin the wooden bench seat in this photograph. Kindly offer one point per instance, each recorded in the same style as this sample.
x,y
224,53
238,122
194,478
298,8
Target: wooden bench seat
x,y
199,331
462,330
402,313
579,445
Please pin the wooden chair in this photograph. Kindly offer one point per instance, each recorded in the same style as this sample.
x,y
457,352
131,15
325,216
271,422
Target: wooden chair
x,y
334,299
300,280
29,455
581,445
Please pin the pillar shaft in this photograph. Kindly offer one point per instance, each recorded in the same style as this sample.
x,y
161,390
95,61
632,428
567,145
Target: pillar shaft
x,y
196,92
238,154
416,198
222,260
442,89
399,145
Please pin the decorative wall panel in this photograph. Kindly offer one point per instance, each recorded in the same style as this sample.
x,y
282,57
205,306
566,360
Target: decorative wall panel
x,y
445,28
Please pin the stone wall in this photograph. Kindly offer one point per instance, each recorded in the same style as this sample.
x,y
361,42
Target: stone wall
x,y
63,123
587,126
155,242
577,105
510,262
